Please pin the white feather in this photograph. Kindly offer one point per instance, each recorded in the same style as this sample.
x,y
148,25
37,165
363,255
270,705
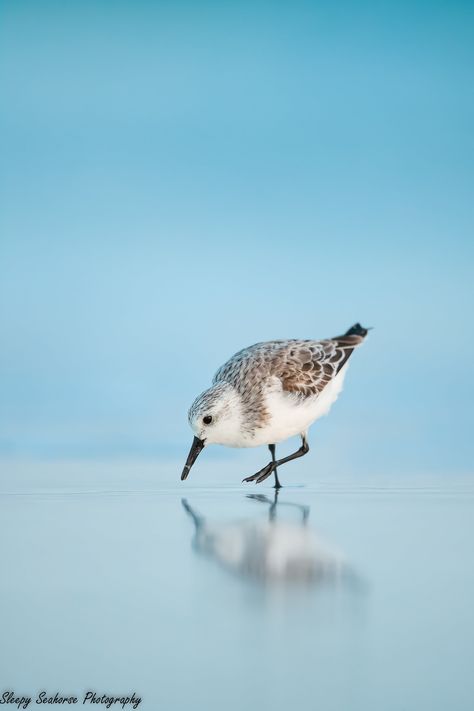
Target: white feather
x,y
290,415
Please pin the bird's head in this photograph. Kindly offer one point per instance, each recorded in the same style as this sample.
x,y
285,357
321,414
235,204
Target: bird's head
x,y
215,418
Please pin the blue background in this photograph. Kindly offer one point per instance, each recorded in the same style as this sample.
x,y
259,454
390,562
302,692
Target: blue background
x,y
179,180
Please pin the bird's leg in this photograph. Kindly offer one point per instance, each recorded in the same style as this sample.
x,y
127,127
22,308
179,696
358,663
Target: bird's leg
x,y
266,471
277,485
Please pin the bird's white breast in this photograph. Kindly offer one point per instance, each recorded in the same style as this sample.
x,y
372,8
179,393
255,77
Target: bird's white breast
x,y
291,415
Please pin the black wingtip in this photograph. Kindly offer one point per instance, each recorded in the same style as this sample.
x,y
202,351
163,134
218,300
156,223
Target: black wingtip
x,y
357,330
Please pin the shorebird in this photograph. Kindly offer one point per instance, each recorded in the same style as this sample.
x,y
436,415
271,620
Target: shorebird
x,y
268,392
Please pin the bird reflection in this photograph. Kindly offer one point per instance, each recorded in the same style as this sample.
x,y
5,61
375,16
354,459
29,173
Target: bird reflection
x,y
267,549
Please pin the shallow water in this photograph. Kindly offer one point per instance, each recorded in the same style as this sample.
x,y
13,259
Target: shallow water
x,y
347,593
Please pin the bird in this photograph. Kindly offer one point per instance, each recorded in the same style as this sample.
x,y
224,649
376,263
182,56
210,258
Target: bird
x,y
269,392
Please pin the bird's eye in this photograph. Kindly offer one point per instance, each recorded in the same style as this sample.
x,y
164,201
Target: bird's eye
x,y
207,419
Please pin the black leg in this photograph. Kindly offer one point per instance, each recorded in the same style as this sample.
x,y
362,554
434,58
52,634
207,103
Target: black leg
x,y
277,485
266,471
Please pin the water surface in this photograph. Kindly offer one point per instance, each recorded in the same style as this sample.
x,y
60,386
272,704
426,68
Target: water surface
x,y
347,593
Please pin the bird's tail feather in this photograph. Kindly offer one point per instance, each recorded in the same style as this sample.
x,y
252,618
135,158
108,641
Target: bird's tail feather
x,y
357,330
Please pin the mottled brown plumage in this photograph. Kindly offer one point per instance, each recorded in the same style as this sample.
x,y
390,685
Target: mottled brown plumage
x,y
269,392
304,368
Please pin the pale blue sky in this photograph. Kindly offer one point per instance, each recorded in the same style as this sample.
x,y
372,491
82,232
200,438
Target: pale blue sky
x,y
179,180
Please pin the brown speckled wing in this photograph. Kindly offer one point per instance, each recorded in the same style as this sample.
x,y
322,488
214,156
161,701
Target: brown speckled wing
x,y
310,366
303,367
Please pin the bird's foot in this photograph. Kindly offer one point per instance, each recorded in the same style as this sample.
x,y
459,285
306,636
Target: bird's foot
x,y
261,475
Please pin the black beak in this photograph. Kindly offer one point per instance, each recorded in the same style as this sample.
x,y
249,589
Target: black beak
x,y
196,447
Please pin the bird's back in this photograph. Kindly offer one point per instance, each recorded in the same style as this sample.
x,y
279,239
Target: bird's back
x,y
304,367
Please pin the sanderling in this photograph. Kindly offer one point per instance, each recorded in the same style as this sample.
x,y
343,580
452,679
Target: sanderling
x,y
268,392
